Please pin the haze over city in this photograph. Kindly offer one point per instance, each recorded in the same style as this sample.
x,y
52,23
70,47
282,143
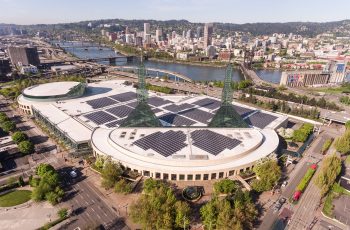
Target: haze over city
x,y
232,11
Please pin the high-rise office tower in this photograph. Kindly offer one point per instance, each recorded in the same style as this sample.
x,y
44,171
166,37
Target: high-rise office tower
x,y
146,29
208,32
127,30
159,34
199,32
189,34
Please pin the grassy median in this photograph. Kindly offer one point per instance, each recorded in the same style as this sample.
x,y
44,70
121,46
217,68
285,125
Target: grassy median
x,y
14,198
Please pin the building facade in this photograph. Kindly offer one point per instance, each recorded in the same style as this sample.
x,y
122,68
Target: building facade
x,y
304,78
24,56
208,32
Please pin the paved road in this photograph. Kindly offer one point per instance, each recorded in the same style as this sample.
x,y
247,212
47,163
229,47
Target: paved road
x,y
89,208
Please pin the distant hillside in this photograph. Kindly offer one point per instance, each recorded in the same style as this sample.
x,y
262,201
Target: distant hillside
x,y
341,28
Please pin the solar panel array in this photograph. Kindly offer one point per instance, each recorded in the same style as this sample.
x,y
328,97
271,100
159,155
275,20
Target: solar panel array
x,y
208,103
198,115
165,144
212,142
157,101
100,117
101,102
123,97
243,112
115,123
177,108
260,120
176,119
120,111
181,114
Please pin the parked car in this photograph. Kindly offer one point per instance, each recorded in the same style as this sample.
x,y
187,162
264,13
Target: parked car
x,y
282,200
73,173
284,184
277,207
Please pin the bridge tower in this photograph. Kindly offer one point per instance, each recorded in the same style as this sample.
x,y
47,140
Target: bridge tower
x,y
227,116
248,57
142,115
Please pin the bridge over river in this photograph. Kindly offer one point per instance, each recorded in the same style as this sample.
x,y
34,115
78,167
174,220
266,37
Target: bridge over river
x,y
151,71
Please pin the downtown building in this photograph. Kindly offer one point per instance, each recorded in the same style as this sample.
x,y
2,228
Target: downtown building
x,y
304,78
24,56
208,32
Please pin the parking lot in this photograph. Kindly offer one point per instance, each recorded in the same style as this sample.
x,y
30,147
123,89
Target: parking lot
x,y
342,209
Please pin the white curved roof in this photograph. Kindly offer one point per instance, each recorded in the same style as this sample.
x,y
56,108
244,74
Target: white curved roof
x,y
256,144
50,89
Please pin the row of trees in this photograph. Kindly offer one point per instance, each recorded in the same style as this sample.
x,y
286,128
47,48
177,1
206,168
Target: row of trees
x,y
331,168
235,85
301,99
235,211
46,184
301,134
158,208
281,106
25,146
342,144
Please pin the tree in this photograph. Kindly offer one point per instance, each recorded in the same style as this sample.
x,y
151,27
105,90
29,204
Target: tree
x,y
110,174
47,187
8,126
233,212
122,186
26,147
159,209
18,137
347,125
21,181
3,117
342,144
331,168
44,168
62,213
225,186
268,174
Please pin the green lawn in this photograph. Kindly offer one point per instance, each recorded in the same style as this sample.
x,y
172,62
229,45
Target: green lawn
x,y
14,198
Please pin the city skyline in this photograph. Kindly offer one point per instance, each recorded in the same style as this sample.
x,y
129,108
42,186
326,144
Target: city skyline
x,y
38,11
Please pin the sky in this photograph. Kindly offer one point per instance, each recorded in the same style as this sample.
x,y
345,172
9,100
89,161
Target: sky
x,y
233,11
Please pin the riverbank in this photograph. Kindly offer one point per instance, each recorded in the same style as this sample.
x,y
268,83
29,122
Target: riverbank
x,y
204,64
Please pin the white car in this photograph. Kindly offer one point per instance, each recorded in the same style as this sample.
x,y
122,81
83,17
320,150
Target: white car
x,y
73,174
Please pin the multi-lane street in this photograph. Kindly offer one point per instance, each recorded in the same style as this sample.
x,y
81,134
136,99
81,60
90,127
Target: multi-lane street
x,y
88,205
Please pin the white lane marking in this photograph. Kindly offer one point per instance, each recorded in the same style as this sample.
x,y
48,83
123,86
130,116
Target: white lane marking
x,y
98,216
93,209
87,195
86,203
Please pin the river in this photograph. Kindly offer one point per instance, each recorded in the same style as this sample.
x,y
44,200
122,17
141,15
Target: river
x,y
197,73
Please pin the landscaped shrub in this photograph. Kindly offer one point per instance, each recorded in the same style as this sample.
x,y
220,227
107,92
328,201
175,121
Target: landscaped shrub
x,y
306,179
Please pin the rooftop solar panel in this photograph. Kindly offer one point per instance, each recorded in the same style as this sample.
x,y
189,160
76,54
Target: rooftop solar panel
x,y
198,115
166,144
122,97
120,111
260,120
101,102
177,108
156,101
208,103
212,142
114,123
243,112
176,120
156,110
100,117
